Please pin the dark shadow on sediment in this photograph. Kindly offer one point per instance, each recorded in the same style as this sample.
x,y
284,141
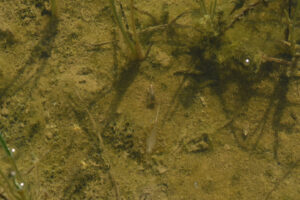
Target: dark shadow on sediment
x,y
40,54
120,86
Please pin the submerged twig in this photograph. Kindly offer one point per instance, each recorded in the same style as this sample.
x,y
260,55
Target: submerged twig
x,y
97,133
276,60
285,176
101,144
165,26
244,12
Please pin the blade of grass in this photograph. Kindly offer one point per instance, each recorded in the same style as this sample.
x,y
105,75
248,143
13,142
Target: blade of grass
x,y
18,189
117,17
213,9
138,49
203,7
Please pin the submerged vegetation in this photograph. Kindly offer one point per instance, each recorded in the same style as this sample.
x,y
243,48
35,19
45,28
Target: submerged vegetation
x,y
225,76
132,41
14,185
54,11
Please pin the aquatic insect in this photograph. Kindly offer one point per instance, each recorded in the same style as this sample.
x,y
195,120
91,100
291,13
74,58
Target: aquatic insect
x,y
150,101
151,138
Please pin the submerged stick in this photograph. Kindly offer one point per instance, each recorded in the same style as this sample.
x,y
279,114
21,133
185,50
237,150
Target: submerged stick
x,y
105,158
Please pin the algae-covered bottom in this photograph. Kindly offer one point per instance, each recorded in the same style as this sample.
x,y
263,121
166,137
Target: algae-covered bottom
x,y
140,100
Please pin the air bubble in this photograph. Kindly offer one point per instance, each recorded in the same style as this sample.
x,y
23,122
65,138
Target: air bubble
x,y
196,185
247,62
13,173
19,185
